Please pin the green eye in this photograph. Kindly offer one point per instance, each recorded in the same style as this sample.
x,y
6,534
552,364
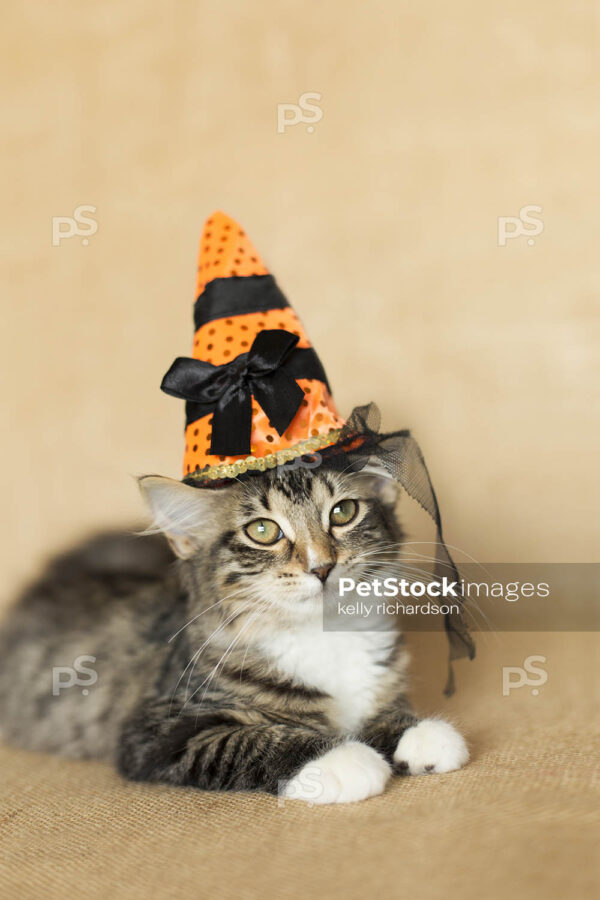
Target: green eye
x,y
343,512
264,531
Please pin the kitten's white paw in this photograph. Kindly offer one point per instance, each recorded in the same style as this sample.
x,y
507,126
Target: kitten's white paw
x,y
431,746
345,774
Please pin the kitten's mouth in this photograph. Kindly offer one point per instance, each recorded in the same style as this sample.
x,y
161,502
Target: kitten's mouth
x,y
316,592
327,593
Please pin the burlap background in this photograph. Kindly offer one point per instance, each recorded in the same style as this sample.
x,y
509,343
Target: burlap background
x,y
382,227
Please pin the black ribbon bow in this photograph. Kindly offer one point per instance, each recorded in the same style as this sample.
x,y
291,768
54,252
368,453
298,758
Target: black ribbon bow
x,y
268,371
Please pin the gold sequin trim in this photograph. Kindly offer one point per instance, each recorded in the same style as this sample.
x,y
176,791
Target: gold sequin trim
x,y
261,463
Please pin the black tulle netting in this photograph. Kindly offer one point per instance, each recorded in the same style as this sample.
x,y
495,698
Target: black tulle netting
x,y
398,455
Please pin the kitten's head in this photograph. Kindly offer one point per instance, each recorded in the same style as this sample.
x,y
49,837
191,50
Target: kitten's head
x,y
281,541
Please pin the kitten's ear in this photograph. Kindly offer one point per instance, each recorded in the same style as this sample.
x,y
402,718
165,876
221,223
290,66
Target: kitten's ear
x,y
380,484
185,514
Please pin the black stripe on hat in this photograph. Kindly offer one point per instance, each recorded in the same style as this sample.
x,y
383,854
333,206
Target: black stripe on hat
x,y
235,296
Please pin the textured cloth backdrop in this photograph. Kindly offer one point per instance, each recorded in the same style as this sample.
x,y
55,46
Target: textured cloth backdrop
x,y
381,224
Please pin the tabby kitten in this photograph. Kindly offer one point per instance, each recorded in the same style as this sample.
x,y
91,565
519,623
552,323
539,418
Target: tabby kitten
x,y
216,672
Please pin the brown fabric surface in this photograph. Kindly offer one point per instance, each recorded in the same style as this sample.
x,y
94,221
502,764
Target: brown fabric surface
x,y
520,821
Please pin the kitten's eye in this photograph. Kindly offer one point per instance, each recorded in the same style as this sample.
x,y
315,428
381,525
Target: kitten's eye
x,y
264,531
343,512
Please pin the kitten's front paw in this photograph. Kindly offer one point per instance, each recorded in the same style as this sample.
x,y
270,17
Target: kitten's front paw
x,y
431,747
345,774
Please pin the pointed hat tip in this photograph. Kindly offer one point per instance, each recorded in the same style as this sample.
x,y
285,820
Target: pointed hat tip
x,y
226,251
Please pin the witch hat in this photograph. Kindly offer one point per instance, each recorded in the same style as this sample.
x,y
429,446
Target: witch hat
x,y
257,395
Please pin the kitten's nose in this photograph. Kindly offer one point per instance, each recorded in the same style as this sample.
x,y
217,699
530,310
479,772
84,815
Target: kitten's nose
x,y
322,571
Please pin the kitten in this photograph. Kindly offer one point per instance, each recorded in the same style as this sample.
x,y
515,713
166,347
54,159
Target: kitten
x,y
216,672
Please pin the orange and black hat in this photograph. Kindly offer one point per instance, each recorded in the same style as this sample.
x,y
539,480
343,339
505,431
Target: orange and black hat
x,y
257,395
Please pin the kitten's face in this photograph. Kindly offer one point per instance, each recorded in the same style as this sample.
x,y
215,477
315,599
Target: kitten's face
x,y
282,541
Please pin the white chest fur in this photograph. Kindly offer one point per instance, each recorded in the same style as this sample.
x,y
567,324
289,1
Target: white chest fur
x,y
349,666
